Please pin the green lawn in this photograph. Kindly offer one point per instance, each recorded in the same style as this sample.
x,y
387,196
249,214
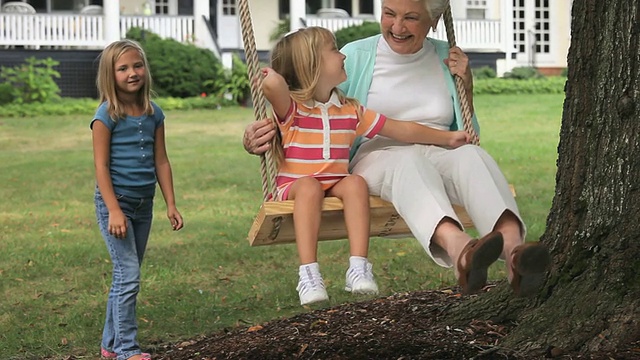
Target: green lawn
x,y
55,270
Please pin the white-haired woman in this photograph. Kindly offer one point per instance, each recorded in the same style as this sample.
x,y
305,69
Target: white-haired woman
x,y
408,76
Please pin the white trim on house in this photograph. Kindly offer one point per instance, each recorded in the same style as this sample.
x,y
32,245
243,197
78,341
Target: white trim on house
x,y
493,34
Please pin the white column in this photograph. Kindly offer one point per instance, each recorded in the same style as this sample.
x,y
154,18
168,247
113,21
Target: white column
x,y
202,35
355,8
507,37
377,9
111,10
297,11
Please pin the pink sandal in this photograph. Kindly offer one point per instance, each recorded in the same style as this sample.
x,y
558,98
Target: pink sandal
x,y
106,354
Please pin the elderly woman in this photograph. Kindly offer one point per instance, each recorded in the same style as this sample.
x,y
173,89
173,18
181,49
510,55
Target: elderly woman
x,y
405,75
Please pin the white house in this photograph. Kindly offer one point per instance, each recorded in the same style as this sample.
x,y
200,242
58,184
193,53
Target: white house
x,y
499,33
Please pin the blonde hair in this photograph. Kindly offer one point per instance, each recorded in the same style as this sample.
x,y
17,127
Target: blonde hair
x,y
298,58
106,83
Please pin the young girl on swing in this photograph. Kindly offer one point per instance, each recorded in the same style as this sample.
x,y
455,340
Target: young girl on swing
x,y
317,127
129,156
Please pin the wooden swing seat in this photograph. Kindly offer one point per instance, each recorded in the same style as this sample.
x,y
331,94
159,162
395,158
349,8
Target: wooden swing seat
x,y
385,221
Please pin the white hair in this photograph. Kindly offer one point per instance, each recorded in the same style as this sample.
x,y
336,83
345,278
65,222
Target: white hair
x,y
435,8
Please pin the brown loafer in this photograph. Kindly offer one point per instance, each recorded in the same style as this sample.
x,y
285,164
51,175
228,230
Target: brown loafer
x,y
530,262
479,254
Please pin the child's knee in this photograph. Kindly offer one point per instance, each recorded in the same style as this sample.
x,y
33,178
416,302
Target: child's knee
x,y
308,187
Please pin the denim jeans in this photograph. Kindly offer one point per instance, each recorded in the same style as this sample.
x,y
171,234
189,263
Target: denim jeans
x,y
121,327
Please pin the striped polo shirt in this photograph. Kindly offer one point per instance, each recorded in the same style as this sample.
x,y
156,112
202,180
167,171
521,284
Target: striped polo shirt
x,y
317,138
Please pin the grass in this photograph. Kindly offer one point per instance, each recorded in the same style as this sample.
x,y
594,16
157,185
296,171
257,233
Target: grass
x,y
55,270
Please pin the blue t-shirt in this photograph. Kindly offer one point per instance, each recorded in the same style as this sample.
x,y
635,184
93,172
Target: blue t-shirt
x,y
131,161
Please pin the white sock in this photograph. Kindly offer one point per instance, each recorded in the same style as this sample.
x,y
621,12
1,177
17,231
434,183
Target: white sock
x,y
357,261
306,270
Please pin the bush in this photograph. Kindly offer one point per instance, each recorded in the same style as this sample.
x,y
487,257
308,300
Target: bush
x,y
179,70
280,30
86,106
565,72
235,85
542,85
522,73
484,72
6,93
352,33
32,82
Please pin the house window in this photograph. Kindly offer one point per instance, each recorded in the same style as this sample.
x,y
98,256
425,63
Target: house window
x,y
476,9
519,30
532,20
366,7
229,7
162,7
542,32
47,6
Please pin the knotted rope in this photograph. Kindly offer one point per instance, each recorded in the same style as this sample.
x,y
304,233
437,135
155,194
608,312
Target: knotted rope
x,y
462,93
268,168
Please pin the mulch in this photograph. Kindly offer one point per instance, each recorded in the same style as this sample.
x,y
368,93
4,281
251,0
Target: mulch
x,y
401,326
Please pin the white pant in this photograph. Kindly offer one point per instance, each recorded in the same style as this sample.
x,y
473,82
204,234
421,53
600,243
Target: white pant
x,y
422,181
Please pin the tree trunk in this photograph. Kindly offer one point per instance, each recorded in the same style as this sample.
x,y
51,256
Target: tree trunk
x,y
591,299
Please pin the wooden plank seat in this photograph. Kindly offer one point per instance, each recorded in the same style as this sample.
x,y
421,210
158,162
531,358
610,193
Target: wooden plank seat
x,y
274,222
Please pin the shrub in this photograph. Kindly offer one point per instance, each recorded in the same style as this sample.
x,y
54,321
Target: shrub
x,y
542,85
522,73
280,30
33,81
357,32
484,72
235,85
6,93
86,106
179,70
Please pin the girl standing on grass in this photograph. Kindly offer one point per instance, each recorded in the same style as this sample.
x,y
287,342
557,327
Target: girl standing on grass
x,y
129,156
317,127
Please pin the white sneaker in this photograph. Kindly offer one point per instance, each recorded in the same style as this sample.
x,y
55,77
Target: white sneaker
x,y
360,278
311,286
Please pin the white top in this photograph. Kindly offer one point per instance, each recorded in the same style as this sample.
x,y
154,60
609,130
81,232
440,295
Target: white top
x,y
408,87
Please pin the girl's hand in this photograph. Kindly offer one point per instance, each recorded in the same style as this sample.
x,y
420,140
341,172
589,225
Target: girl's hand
x,y
459,138
175,218
117,224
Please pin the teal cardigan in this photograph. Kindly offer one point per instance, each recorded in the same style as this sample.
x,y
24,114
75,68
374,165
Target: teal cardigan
x,y
361,56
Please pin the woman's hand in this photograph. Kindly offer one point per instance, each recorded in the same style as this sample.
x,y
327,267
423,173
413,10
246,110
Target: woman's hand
x,y
458,138
458,64
258,135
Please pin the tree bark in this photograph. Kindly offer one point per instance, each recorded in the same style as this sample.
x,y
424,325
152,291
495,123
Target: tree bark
x,y
591,299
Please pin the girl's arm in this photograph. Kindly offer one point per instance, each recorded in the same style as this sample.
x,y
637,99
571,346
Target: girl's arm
x,y
165,179
276,90
101,157
412,132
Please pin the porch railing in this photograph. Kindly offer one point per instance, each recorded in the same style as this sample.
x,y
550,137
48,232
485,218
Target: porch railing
x,y
86,31
483,35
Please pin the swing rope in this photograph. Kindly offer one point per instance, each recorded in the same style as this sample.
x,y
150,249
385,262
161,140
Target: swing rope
x,y
268,167
462,93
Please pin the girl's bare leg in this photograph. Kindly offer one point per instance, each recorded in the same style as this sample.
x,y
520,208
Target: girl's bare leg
x,y
307,194
354,193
